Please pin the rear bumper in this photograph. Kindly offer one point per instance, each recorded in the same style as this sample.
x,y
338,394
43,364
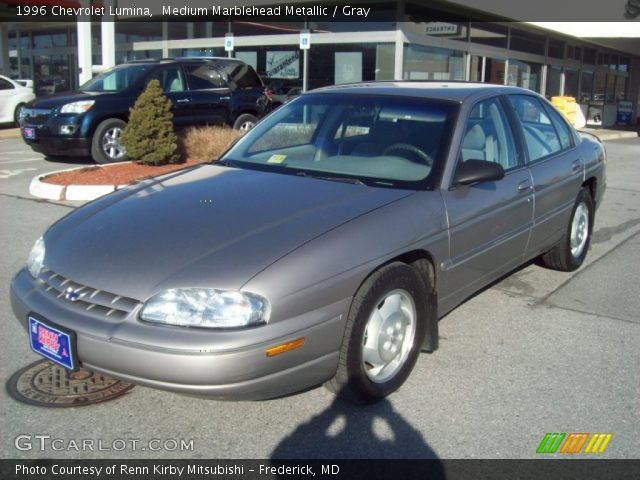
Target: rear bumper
x,y
241,372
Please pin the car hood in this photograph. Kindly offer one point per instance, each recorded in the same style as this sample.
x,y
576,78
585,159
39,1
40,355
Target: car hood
x,y
210,226
59,99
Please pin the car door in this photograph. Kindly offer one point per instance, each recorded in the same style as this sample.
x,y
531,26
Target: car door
x,y
7,103
489,222
210,94
555,165
172,81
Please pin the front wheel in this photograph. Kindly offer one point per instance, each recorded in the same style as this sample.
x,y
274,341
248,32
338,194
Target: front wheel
x,y
385,330
572,248
16,114
245,122
106,146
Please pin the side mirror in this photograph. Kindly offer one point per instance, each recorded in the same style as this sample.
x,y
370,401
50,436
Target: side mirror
x,y
474,171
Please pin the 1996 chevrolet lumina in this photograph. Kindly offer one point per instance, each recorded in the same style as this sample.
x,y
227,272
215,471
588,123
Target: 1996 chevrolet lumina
x,y
322,247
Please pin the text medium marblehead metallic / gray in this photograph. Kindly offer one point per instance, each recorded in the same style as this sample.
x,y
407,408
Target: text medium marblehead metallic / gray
x,y
306,244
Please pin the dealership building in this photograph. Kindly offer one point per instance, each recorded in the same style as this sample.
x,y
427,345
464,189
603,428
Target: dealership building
x,y
395,40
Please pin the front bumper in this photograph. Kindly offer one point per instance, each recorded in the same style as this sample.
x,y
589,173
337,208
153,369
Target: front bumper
x,y
242,371
68,147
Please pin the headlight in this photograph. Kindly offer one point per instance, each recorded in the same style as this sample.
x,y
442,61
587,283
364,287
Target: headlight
x,y
36,257
204,307
77,107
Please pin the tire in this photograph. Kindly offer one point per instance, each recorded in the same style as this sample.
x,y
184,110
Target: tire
x,y
105,145
380,346
16,114
572,248
245,122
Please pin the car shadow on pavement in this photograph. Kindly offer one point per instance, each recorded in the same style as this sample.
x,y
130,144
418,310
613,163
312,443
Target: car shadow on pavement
x,y
346,431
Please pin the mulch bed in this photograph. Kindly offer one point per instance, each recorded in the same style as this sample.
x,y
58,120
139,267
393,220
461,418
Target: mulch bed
x,y
116,174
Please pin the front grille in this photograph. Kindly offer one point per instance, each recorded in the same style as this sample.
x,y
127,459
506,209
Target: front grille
x,y
85,298
35,116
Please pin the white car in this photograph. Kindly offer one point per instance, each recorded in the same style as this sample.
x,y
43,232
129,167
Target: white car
x,y
13,96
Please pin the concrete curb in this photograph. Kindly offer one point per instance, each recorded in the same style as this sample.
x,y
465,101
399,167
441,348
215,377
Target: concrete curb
x,y
10,133
604,136
41,189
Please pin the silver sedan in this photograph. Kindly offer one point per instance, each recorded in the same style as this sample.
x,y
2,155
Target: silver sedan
x,y
323,247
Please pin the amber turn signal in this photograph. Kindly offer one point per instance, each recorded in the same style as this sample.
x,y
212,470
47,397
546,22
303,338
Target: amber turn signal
x,y
285,347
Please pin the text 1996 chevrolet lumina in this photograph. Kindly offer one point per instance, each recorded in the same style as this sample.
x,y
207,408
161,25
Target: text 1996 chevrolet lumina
x,y
321,248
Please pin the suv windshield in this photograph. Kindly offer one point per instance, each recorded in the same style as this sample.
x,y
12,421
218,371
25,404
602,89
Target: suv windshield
x,y
377,140
116,79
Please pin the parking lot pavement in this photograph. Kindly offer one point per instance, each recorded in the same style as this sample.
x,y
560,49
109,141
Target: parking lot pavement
x,y
538,352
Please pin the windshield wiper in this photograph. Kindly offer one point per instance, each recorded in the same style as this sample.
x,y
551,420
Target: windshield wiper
x,y
332,178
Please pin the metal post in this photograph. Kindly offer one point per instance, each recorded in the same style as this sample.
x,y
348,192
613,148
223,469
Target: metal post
x,y
305,64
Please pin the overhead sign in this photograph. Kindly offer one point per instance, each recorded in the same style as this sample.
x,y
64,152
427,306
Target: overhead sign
x,y
305,40
228,42
441,28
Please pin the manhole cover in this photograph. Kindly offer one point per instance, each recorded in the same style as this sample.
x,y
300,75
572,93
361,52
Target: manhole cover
x,y
47,384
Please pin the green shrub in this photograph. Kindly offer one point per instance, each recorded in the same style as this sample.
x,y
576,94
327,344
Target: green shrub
x,y
149,135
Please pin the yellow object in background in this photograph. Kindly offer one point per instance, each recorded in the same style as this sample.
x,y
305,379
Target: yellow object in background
x,y
567,106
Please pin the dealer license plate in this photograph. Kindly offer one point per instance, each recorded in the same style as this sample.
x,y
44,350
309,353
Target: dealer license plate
x,y
29,133
53,343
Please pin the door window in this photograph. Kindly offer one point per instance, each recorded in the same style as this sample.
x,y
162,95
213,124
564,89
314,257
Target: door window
x,y
171,79
488,136
204,77
540,135
5,85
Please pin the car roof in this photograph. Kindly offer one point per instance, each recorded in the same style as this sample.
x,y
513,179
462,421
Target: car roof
x,y
451,91
159,61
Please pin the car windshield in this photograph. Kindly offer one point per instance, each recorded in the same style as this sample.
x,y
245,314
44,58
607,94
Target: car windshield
x,y
382,140
116,79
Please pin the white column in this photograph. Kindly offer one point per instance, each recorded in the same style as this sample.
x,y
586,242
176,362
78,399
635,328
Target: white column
x,y
189,29
107,27
208,29
562,80
4,49
398,58
165,40
84,46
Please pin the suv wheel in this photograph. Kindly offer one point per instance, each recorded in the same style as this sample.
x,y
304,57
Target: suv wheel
x,y
245,122
106,146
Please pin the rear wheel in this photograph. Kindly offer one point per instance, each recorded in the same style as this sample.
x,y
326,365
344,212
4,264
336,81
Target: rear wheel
x,y
572,248
106,146
245,122
384,332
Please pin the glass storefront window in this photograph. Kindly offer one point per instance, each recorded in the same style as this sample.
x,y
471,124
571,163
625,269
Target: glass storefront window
x,y
430,63
599,86
494,71
527,42
556,48
129,32
621,88
623,66
589,56
586,87
571,83
524,74
553,81
610,97
489,34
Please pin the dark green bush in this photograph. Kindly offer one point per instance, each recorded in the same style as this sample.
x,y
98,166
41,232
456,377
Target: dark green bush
x,y
149,135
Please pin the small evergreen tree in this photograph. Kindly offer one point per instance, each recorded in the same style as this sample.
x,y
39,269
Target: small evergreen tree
x,y
149,135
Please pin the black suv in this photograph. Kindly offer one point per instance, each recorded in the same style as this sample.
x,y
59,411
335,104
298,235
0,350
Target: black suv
x,y
90,120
